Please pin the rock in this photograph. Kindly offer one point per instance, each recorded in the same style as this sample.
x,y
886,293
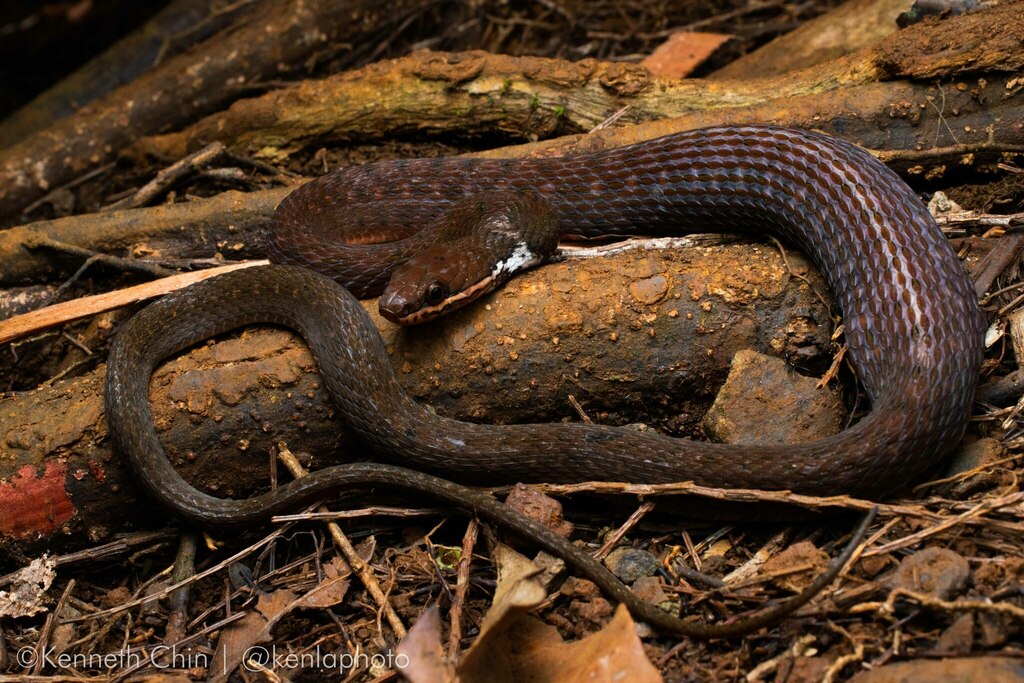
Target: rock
x,y
587,609
796,555
648,589
967,670
805,669
629,564
871,567
590,614
980,453
579,588
552,567
765,401
995,629
933,571
540,508
958,639
975,454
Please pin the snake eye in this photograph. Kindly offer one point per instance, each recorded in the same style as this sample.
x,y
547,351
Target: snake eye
x,y
435,294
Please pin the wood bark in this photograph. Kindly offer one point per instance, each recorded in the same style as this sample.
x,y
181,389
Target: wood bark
x,y
230,224
120,64
636,336
934,85
853,25
180,89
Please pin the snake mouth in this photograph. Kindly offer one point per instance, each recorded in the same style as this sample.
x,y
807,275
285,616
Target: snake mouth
x,y
394,307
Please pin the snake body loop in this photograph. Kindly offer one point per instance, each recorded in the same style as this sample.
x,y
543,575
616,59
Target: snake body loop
x,y
913,326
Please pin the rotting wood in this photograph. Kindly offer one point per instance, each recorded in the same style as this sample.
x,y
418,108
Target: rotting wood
x,y
159,37
180,89
849,27
650,332
230,223
885,97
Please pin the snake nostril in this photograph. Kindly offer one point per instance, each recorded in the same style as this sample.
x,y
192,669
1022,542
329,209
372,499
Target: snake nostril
x,y
392,304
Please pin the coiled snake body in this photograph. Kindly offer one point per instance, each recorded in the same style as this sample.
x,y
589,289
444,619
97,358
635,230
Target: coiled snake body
x,y
913,326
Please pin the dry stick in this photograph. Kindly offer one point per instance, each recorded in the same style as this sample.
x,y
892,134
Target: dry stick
x,y
856,656
87,306
734,495
48,626
172,650
101,552
167,590
757,560
1011,220
978,510
889,606
616,536
44,242
966,474
167,176
341,540
797,649
461,588
1006,251
233,221
373,511
184,567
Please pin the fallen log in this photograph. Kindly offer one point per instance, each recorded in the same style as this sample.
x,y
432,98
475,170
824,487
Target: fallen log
x,y
121,63
849,27
181,89
231,224
642,335
884,97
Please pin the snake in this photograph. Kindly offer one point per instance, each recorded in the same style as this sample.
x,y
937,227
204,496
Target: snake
x,y
913,326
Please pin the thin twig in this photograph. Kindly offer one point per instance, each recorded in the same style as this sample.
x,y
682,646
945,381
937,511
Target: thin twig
x,y
168,176
616,536
84,307
363,569
461,588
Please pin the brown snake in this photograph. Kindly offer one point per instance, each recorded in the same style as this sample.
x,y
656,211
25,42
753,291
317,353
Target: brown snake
x,y
913,326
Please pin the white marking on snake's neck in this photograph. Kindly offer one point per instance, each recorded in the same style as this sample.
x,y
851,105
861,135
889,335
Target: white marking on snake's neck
x,y
520,258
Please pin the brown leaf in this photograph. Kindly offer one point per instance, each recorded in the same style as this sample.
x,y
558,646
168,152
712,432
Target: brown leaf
x,y
533,652
517,593
515,647
239,637
423,653
328,594
27,595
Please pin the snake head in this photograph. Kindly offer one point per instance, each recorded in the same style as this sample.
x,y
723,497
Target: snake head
x,y
488,238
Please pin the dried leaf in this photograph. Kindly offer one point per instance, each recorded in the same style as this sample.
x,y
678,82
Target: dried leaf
x,y
513,646
27,595
517,593
533,652
423,653
240,637
327,594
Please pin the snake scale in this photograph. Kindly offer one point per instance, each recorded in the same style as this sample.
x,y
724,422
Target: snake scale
x,y
912,323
